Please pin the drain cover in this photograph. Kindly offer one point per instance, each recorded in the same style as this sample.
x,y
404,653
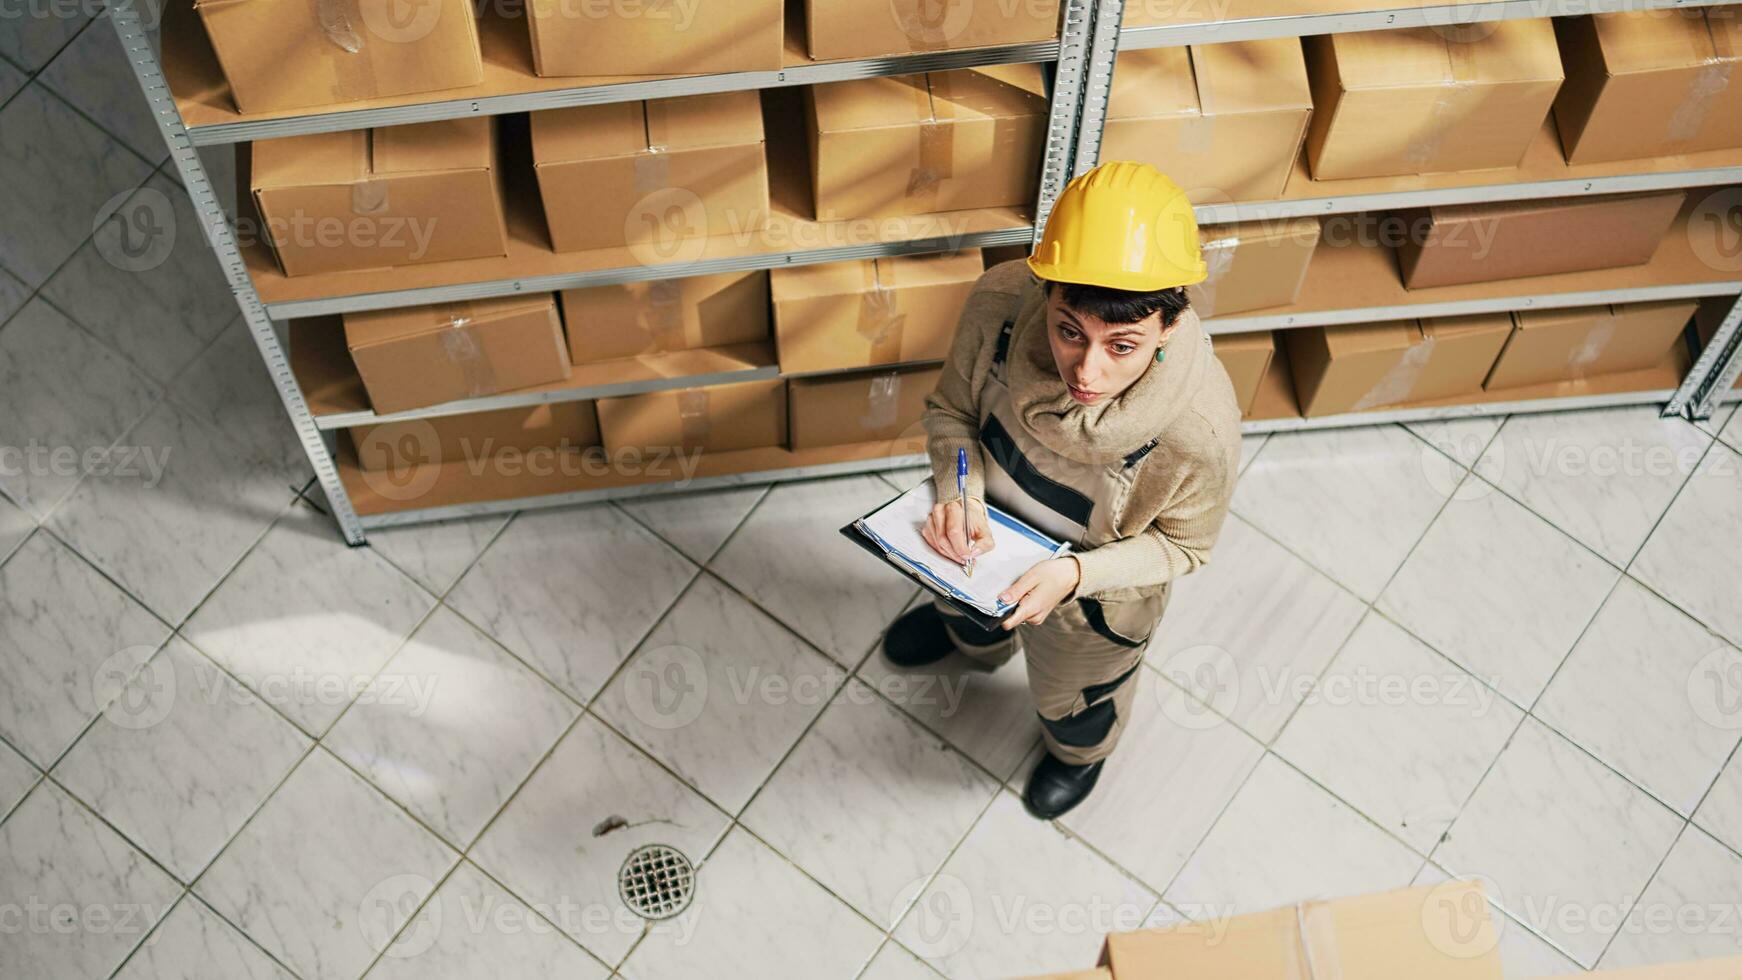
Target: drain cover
x,y
656,882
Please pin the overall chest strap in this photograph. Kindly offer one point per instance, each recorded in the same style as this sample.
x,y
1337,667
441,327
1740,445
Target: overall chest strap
x,y
1001,353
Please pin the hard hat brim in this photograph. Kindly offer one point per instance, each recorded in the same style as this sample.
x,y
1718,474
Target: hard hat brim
x,y
1131,282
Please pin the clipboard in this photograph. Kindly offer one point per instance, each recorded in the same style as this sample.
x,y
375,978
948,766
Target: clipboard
x,y
852,533
890,533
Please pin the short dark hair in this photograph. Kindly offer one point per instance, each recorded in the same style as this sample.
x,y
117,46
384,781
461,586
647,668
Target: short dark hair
x,y
1123,306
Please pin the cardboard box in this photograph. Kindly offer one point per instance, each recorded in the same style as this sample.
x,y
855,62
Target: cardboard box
x,y
857,29
716,418
289,56
1254,264
1439,932
874,311
1246,358
425,355
1226,121
608,322
1098,973
1649,83
660,173
1459,243
913,144
480,435
1365,366
1567,344
881,406
1721,968
375,198
1415,101
600,37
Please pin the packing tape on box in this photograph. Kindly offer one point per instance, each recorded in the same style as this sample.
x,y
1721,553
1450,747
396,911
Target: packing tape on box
x,y
460,344
1710,82
881,321
368,194
937,143
652,170
1197,137
660,314
883,402
693,417
352,59
1319,958
1460,71
1219,261
1395,384
1592,347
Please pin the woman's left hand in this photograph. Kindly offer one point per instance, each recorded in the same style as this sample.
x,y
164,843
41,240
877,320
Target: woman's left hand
x,y
1041,589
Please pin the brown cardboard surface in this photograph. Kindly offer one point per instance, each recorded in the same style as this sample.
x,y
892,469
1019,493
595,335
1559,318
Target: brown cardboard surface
x,y
425,355
1720,968
717,418
1650,83
299,55
1246,358
1098,973
372,199
873,311
626,320
1464,350
475,437
658,174
914,144
600,37
1364,366
1275,398
1368,937
1560,345
1465,243
1254,264
857,29
1427,100
860,407
1226,121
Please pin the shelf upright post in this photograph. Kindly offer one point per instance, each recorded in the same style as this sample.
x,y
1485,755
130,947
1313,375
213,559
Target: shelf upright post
x,y
1064,124
1098,82
124,14
1714,371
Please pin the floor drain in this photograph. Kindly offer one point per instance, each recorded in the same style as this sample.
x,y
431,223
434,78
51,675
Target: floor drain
x,y
657,882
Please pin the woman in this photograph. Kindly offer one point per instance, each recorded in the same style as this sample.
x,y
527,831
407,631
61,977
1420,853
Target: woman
x,y
1092,407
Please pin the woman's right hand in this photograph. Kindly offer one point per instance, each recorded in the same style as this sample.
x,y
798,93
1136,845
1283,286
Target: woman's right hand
x,y
959,533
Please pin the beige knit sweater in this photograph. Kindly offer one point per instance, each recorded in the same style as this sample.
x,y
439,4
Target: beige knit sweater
x,y
1173,515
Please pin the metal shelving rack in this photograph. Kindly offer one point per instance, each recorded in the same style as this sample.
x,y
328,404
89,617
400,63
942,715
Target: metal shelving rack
x,y
1091,32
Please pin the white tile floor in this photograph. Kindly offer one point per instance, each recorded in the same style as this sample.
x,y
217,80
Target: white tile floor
x,y
271,756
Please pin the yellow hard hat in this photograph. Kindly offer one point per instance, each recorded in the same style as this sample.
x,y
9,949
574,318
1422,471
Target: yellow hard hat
x,y
1122,225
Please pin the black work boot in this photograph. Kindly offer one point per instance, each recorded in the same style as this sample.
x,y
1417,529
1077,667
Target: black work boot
x,y
917,638
1055,787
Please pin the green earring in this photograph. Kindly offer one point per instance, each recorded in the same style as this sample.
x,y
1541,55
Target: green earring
x,y
1160,354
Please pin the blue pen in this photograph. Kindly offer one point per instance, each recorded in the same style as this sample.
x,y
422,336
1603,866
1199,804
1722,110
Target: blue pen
x,y
962,491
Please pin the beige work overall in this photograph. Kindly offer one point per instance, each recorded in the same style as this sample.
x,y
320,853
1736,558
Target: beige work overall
x,y
1083,659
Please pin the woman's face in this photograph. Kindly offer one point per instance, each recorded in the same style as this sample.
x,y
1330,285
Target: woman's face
x,y
1097,359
